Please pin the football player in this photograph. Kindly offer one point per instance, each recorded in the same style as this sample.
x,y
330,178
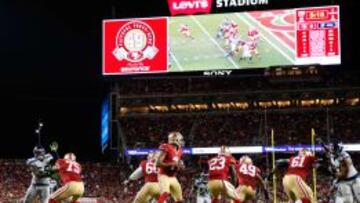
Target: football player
x,y
253,48
40,170
235,44
246,52
223,28
185,30
70,174
253,34
220,168
347,183
169,163
151,188
298,169
248,178
200,186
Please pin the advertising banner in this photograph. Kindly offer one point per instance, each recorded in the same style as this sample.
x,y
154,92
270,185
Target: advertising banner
x,y
135,46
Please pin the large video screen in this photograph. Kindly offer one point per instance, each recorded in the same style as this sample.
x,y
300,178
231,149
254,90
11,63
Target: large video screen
x,y
243,40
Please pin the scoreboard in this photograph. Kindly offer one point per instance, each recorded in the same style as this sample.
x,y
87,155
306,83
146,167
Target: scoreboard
x,y
221,41
317,33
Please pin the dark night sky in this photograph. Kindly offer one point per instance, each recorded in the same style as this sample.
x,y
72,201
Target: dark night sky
x,y
51,68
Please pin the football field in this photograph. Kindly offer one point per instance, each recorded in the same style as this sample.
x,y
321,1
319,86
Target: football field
x,y
206,52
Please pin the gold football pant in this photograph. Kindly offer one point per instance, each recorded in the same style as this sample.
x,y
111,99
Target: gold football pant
x,y
219,188
171,186
245,192
296,188
71,189
148,191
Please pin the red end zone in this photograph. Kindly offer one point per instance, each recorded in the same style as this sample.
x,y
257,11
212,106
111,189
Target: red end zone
x,y
281,23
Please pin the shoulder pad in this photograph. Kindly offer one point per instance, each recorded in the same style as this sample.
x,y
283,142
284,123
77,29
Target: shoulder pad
x,y
30,161
164,147
49,157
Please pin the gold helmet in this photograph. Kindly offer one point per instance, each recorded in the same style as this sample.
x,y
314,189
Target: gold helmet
x,y
224,150
245,160
176,138
70,156
304,152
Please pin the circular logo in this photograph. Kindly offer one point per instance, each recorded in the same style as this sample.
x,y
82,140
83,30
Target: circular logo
x,y
135,42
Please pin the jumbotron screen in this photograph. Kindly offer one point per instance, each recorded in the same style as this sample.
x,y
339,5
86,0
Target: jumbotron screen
x,y
241,40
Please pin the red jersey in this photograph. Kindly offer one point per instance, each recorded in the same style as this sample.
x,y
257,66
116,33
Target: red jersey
x,y
300,165
219,167
69,170
184,28
247,175
149,171
172,154
252,45
253,33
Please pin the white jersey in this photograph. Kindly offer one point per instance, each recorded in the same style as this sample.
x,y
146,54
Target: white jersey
x,y
38,169
201,188
348,187
344,156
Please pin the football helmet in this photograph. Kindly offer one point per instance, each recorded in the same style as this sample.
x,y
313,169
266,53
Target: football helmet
x,y
39,152
338,148
245,160
224,150
176,138
70,156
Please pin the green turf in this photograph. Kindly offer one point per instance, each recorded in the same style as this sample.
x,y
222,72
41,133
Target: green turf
x,y
202,53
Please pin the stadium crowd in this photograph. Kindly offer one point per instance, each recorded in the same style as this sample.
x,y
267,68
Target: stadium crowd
x,y
246,128
183,85
105,179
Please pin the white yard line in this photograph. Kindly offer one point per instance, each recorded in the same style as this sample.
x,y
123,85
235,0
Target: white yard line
x,y
264,28
214,41
282,19
292,38
176,61
269,41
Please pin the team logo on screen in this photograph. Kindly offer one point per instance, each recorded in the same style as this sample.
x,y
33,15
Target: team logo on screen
x,y
189,6
135,41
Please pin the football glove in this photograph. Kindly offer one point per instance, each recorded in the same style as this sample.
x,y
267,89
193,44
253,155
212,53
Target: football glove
x,y
54,146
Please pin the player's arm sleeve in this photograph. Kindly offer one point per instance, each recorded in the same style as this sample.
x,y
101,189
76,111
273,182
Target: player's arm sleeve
x,y
164,148
137,174
263,186
261,181
333,162
162,155
347,159
49,157
29,161
233,175
55,156
56,166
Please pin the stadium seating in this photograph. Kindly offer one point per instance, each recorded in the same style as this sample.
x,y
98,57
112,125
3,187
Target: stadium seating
x,y
246,128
